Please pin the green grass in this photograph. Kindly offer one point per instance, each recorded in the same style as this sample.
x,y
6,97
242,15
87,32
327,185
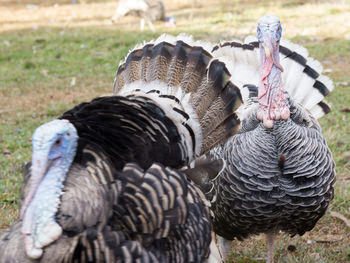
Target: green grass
x,y
37,68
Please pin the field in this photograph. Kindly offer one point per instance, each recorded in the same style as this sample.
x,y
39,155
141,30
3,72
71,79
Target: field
x,y
56,55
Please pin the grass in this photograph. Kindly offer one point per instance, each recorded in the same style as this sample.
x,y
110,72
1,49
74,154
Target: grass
x,y
50,62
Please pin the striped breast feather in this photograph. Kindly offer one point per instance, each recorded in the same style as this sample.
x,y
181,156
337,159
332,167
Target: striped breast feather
x,y
302,76
161,204
192,87
152,215
90,245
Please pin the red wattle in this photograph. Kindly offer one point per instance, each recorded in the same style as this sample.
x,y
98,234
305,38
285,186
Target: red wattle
x,y
263,88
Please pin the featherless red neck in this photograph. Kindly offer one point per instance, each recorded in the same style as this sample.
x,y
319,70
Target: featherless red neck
x,y
272,97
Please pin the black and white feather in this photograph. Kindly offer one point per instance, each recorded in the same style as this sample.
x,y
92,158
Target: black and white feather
x,y
277,178
173,102
302,78
133,215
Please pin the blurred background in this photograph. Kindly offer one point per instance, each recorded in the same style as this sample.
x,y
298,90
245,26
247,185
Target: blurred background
x,y
56,54
327,18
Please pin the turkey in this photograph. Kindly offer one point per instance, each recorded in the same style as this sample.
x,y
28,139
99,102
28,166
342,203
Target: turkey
x,y
173,102
147,10
280,172
127,216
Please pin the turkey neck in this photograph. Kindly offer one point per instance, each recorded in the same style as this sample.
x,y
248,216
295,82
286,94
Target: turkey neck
x,y
39,222
50,190
270,77
271,96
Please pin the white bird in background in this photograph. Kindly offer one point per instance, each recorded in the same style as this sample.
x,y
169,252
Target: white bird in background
x,y
148,10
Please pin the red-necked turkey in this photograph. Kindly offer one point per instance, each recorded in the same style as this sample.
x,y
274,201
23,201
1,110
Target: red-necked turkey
x,y
148,10
280,171
173,102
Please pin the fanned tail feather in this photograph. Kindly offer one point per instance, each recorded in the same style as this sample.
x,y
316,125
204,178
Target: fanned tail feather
x,y
192,87
302,76
320,109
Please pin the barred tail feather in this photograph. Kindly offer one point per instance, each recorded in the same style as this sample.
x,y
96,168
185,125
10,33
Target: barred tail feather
x,y
176,68
225,130
220,108
241,60
320,109
302,76
321,88
192,87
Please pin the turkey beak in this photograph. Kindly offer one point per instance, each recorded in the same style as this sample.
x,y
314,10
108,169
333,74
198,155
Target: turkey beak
x,y
40,165
271,51
266,50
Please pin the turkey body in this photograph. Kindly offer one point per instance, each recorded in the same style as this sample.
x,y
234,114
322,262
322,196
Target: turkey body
x,y
280,172
172,102
131,215
277,179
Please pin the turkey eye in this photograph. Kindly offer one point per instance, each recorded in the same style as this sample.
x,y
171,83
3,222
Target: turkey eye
x,y
68,134
58,141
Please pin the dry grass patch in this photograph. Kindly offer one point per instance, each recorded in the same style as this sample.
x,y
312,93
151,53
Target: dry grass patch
x,y
231,18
